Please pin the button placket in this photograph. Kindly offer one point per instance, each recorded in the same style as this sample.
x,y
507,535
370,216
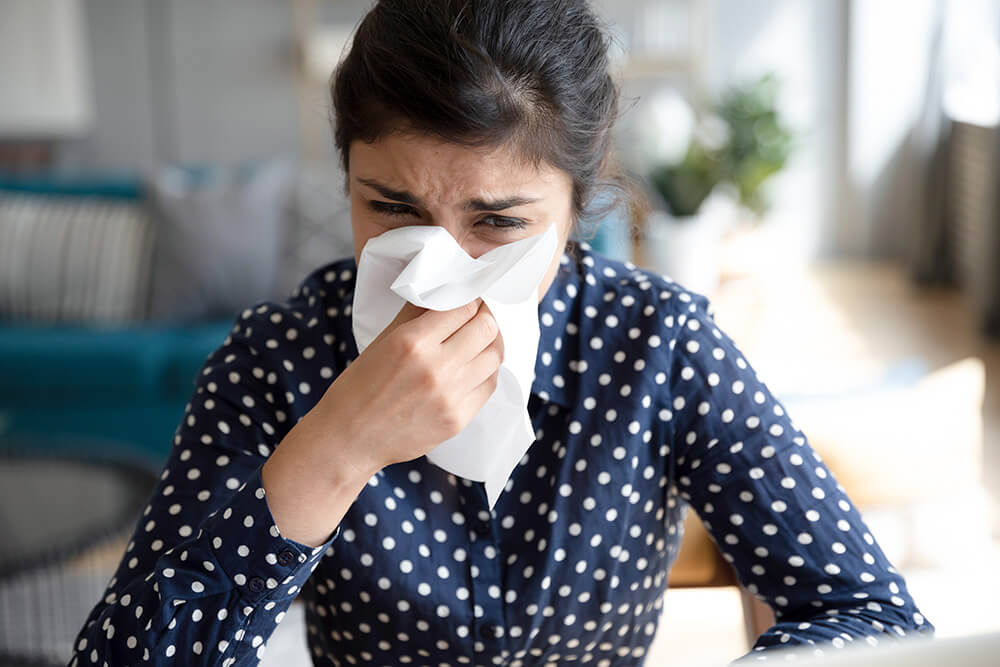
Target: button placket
x,y
489,569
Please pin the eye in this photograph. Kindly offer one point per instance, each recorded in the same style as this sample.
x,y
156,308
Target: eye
x,y
388,208
503,223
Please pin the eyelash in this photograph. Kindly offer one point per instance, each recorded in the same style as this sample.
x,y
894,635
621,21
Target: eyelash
x,y
400,210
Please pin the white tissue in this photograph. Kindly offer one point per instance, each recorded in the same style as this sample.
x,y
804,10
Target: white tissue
x,y
424,265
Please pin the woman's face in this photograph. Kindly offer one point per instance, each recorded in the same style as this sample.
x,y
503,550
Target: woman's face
x,y
484,198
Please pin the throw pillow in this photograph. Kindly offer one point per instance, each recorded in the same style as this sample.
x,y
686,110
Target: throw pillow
x,y
219,238
319,224
70,258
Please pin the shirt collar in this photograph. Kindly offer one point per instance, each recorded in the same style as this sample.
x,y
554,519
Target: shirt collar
x,y
559,329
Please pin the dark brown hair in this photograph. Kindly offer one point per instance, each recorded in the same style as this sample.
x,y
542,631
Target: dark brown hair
x,y
485,73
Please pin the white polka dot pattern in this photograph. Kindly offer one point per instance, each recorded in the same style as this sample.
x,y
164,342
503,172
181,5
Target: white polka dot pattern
x,y
641,406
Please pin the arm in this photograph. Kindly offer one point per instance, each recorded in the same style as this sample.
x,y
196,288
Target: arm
x,y
771,505
207,574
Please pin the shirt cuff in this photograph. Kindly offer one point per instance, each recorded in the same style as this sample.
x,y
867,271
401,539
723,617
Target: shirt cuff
x,y
257,558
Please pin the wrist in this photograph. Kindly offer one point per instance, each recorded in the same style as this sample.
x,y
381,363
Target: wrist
x,y
349,455
308,488
325,444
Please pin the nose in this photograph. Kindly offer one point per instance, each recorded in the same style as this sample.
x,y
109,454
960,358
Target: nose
x,y
465,238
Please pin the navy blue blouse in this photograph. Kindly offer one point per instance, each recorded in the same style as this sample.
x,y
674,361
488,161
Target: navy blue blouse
x,y
642,407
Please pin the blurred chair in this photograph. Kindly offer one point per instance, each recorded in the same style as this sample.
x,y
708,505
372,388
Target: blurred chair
x,y
700,565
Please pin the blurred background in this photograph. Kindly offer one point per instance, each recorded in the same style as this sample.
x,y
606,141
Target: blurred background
x,y
825,171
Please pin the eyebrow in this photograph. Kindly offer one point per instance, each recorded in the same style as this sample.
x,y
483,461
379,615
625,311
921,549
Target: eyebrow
x,y
476,204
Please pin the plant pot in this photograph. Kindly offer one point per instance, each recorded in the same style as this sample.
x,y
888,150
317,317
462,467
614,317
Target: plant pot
x,y
688,249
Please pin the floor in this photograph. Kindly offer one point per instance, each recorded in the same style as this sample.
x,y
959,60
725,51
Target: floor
x,y
829,327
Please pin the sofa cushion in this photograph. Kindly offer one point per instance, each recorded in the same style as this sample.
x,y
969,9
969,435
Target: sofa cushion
x,y
86,365
126,429
78,363
189,348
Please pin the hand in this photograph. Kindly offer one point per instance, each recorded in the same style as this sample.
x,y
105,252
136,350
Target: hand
x,y
420,382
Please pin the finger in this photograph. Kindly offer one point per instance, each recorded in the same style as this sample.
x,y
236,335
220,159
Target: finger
x,y
438,325
473,337
484,364
406,314
477,398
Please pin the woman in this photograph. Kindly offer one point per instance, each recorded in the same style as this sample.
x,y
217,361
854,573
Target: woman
x,y
298,465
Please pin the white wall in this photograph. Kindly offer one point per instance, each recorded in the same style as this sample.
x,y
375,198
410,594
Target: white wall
x,y
193,82
803,44
215,81
859,88
892,123
122,133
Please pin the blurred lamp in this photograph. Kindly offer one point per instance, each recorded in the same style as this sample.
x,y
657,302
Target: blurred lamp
x,y
44,70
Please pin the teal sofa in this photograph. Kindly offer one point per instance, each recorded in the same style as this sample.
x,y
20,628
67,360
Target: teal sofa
x,y
122,387
96,386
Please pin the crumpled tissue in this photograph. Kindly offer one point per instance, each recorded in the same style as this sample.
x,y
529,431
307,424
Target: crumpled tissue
x,y
423,264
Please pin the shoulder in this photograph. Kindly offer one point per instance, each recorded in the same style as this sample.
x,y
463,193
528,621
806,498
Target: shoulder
x,y
645,301
643,321
290,338
282,353
670,328
629,328
315,306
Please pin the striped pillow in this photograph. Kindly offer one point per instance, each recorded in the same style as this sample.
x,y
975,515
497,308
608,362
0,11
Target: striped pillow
x,y
82,259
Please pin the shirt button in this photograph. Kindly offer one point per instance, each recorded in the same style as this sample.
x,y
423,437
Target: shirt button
x,y
286,557
256,584
488,631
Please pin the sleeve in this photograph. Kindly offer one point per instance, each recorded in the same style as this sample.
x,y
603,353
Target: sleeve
x,y
207,575
769,502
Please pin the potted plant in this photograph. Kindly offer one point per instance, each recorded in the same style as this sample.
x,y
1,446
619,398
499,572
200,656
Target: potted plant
x,y
732,152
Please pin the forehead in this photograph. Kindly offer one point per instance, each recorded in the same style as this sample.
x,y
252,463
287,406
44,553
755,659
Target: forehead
x,y
447,172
